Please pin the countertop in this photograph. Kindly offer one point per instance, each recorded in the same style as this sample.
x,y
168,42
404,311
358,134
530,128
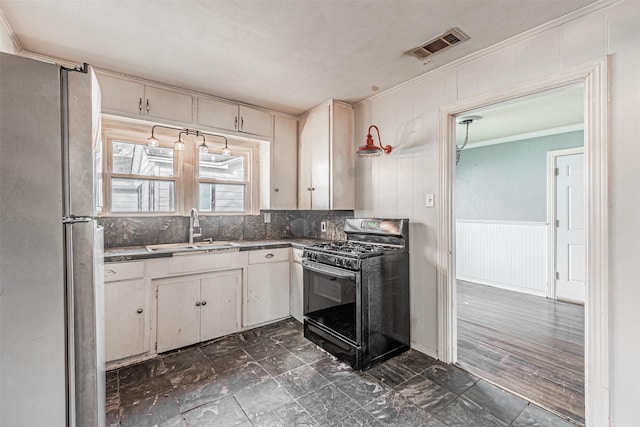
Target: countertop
x,y
130,253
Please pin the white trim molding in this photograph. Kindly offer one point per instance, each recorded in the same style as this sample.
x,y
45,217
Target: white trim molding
x,y
594,76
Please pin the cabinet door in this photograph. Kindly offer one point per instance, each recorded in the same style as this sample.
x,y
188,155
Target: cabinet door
x,y
120,95
220,310
296,292
284,163
217,114
304,157
178,315
167,104
268,297
320,159
125,314
256,122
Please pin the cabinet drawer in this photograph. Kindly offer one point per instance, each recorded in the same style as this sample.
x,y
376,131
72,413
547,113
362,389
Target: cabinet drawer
x,y
114,272
190,263
296,254
269,255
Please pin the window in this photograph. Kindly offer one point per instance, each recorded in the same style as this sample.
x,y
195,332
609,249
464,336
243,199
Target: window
x,y
142,178
222,182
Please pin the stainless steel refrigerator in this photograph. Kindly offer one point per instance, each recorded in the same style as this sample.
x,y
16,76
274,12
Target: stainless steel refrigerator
x,y
51,280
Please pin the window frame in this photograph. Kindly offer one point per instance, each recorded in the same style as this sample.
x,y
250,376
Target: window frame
x,y
246,181
186,166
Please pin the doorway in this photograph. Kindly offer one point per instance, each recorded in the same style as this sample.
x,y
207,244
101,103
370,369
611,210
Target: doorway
x,y
510,332
594,78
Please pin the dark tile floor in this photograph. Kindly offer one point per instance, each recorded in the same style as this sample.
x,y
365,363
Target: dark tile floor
x,y
273,376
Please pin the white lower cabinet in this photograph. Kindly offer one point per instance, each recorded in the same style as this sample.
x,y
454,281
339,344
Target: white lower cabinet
x,y
268,286
197,308
296,294
125,319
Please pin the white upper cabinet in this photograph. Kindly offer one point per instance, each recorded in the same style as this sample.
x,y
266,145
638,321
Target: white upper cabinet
x,y
125,96
167,104
326,158
131,98
284,158
230,116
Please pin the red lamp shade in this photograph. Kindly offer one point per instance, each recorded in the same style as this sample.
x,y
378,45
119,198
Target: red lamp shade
x,y
369,149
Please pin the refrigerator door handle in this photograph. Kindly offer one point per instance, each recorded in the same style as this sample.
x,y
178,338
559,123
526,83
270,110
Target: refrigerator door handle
x,y
76,219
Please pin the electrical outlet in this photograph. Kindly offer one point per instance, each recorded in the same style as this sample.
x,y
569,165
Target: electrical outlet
x,y
430,200
323,226
267,217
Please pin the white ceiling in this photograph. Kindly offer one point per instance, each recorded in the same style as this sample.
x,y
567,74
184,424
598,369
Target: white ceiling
x,y
280,54
549,112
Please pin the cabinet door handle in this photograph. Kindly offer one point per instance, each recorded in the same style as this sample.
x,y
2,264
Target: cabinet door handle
x,y
140,105
109,272
204,303
139,311
241,123
276,189
269,255
313,189
308,188
197,303
148,106
235,123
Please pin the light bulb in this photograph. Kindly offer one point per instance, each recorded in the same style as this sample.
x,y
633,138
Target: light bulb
x,y
226,151
179,145
203,148
152,141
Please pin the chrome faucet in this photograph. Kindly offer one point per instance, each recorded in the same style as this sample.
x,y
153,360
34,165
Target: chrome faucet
x,y
194,222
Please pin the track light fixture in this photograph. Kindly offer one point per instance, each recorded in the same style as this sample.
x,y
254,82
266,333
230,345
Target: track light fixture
x,y
203,148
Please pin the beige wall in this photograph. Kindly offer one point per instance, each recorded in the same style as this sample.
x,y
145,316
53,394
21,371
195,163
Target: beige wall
x,y
6,43
395,186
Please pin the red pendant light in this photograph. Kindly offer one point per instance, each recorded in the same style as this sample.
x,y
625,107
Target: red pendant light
x,y
369,149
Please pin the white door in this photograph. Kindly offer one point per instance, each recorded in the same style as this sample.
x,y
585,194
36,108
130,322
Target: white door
x,y
178,314
220,306
570,251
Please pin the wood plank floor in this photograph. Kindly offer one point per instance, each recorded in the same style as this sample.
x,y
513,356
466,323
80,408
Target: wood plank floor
x,y
529,345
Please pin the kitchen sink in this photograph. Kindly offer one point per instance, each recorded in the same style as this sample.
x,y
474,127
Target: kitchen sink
x,y
170,247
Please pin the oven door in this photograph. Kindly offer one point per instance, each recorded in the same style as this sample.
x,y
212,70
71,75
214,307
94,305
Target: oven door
x,y
332,300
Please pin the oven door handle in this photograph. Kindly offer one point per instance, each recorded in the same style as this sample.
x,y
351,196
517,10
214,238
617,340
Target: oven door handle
x,y
328,272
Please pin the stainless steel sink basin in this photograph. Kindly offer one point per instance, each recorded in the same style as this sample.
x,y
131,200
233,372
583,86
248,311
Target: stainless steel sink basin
x,y
172,247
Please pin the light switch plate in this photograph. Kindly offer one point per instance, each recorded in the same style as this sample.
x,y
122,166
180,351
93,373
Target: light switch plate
x,y
429,200
267,217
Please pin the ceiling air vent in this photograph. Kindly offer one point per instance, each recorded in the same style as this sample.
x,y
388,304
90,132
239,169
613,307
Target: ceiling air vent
x,y
448,39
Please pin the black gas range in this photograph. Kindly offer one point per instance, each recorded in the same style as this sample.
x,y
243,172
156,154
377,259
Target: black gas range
x,y
356,292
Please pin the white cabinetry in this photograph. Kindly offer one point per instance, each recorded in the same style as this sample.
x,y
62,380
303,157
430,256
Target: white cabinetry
x,y
296,294
326,158
230,116
284,159
126,314
197,308
132,98
267,285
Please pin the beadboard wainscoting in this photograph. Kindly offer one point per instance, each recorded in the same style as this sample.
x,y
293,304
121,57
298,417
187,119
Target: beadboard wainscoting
x,y
505,254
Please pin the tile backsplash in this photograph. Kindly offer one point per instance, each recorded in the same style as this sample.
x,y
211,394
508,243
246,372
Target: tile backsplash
x,y
138,231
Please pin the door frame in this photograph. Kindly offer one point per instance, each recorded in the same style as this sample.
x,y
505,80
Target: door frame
x,y
551,214
594,77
